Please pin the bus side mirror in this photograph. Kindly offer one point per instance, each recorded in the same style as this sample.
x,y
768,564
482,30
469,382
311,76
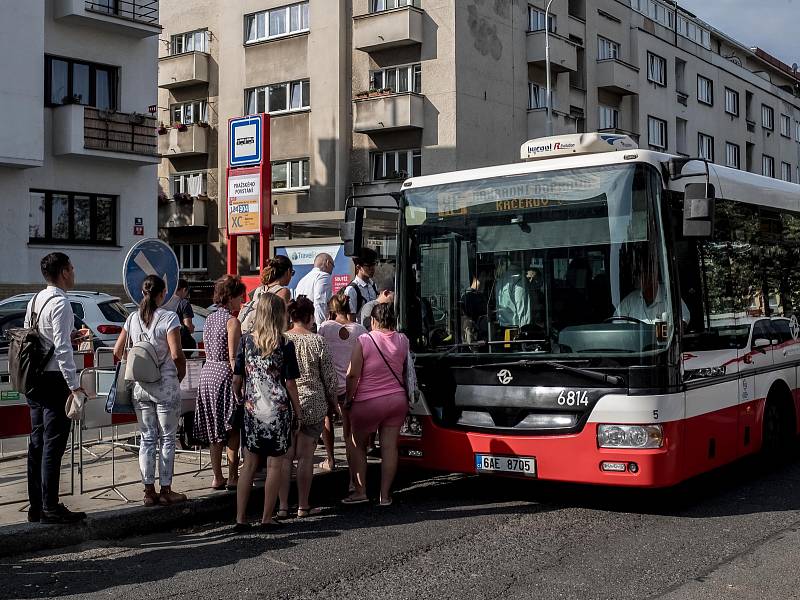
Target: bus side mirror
x,y
761,345
352,229
698,210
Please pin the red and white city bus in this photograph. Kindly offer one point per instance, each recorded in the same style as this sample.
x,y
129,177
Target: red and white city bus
x,y
598,313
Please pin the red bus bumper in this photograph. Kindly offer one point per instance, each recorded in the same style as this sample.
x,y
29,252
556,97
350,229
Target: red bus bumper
x,y
573,458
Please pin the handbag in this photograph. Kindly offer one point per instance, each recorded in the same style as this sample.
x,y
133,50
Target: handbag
x,y
120,396
411,394
75,405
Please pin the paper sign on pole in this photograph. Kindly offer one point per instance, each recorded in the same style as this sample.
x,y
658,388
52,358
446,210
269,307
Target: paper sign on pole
x,y
244,204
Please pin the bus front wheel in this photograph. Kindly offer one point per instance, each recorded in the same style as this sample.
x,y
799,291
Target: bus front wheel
x,y
779,429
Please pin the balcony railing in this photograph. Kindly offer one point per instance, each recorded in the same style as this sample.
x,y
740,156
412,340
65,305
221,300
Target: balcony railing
x,y
182,212
119,132
389,112
140,11
388,28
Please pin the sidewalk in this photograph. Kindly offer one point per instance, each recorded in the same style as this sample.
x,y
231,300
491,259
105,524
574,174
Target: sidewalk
x,y
118,512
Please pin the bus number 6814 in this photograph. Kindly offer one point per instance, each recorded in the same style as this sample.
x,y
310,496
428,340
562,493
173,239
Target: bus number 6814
x,y
573,398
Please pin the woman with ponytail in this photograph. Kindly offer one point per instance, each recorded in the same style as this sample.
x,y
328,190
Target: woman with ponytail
x,y
274,279
158,404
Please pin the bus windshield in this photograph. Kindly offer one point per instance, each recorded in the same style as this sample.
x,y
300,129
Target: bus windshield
x,y
568,262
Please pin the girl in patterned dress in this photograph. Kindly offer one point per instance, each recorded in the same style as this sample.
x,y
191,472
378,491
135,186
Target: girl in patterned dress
x,y
264,381
217,420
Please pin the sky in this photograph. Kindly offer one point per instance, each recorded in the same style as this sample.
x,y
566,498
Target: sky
x,y
772,25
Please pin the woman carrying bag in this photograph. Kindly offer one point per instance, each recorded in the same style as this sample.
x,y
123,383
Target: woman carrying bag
x,y
151,337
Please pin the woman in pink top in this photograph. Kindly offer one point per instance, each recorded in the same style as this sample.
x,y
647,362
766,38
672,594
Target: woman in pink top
x,y
342,335
376,394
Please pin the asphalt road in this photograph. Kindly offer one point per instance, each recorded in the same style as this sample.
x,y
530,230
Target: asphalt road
x,y
732,535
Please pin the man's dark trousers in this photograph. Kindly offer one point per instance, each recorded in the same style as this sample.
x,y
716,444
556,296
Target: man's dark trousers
x,y
50,428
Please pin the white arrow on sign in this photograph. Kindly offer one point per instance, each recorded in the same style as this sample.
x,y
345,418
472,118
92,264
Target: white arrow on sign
x,y
145,265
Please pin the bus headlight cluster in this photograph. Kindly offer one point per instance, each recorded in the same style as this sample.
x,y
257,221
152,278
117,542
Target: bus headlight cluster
x,y
630,436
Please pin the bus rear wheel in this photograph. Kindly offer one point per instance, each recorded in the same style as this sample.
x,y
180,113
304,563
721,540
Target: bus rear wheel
x,y
778,429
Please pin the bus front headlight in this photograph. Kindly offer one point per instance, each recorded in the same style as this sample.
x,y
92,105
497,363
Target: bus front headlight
x,y
630,436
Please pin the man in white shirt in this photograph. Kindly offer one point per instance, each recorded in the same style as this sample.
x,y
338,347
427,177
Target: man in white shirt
x,y
50,425
317,286
647,303
362,289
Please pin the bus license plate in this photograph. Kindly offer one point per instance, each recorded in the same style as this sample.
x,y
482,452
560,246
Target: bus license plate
x,y
517,465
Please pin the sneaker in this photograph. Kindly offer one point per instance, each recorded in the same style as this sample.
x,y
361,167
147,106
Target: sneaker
x,y
61,516
34,516
171,497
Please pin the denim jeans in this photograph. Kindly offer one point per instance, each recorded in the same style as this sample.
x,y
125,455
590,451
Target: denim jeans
x,y
158,408
50,429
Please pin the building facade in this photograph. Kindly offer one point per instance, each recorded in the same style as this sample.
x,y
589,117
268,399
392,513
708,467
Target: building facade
x,y
78,151
364,93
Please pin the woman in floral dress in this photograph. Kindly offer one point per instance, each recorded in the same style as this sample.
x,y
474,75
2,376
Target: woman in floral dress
x,y
217,421
264,381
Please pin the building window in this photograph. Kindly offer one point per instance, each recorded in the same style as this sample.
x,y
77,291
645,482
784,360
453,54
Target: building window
x,y
731,102
405,78
607,49
72,218
537,96
767,166
656,11
705,90
692,31
705,146
536,20
191,257
731,155
396,164
189,113
786,172
191,41
767,117
656,69
275,23
193,183
288,175
657,133
380,5
76,82
278,98
786,126
609,117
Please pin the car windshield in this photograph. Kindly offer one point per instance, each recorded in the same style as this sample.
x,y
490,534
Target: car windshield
x,y
560,262
114,311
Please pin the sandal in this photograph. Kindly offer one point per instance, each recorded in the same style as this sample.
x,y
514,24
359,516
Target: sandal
x,y
387,502
355,500
220,486
171,497
302,513
282,513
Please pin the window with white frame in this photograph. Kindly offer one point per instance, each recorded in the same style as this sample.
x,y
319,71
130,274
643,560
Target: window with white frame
x,y
189,41
656,69
705,90
731,155
767,117
656,11
537,96
401,79
767,165
732,102
191,257
657,132
275,23
193,183
536,20
786,172
189,113
396,164
694,32
288,175
609,117
278,97
705,146
381,5
786,126
606,49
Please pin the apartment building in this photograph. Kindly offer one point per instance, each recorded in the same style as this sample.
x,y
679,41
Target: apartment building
x,y
364,93
78,151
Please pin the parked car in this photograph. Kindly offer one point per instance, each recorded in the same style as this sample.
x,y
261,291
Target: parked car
x,y
103,314
199,321
15,318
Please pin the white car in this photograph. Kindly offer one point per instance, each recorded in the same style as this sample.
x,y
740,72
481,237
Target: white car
x,y
103,314
199,320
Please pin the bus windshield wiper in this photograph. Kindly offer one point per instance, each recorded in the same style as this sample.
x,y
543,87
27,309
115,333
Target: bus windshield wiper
x,y
615,380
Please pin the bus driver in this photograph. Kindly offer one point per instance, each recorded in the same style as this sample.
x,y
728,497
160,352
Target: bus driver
x,y
646,302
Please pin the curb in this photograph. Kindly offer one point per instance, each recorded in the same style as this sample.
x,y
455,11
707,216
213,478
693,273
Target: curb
x,y
140,520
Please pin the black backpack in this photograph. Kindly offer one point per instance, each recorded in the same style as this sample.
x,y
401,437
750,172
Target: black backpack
x,y
27,356
360,300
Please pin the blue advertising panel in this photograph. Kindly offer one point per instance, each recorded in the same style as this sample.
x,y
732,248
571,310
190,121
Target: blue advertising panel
x,y
302,258
244,141
150,257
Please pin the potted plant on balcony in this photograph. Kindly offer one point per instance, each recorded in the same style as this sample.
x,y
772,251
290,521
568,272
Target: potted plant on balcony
x,y
136,118
162,197
202,124
162,130
387,90
180,126
182,198
362,94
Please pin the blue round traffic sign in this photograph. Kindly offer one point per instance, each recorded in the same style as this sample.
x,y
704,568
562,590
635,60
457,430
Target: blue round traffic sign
x,y
150,257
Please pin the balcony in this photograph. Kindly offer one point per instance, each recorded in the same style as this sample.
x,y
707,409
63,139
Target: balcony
x,y
185,212
387,29
135,18
563,52
389,112
85,131
537,123
182,70
177,144
617,77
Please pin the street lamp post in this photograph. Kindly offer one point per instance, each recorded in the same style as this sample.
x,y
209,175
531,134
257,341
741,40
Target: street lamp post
x,y
548,92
